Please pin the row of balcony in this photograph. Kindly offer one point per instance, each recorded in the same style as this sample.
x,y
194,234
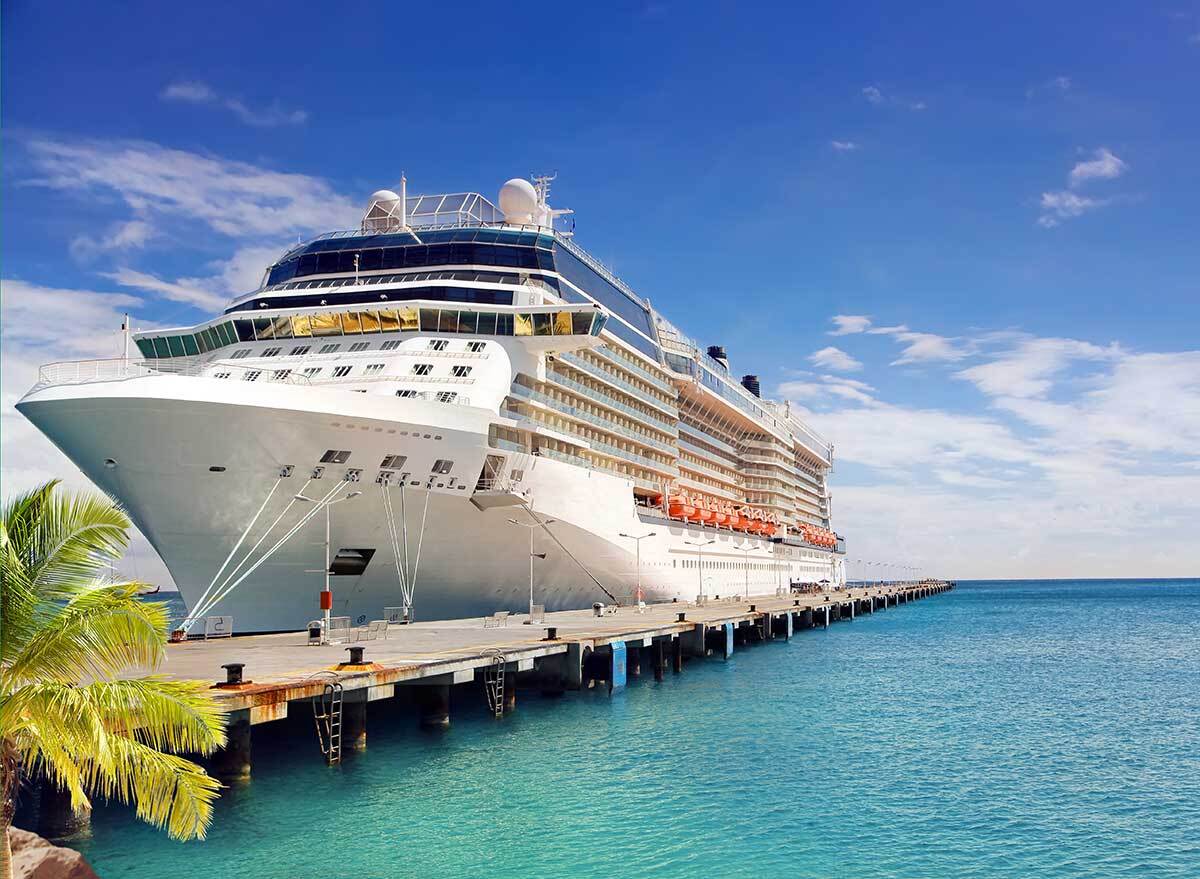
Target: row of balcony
x,y
591,418
599,397
601,375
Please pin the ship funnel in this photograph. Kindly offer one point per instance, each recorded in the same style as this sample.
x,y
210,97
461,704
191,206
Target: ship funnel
x,y
750,383
717,353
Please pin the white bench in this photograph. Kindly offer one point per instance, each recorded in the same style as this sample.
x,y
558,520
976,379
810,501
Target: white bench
x,y
497,620
372,630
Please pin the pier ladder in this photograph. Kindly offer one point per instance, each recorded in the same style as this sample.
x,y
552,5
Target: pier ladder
x,y
493,682
327,714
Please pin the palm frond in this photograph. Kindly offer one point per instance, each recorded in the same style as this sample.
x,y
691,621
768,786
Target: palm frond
x,y
166,790
64,538
103,630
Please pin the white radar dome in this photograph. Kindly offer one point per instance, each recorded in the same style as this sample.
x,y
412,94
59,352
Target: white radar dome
x,y
519,202
382,196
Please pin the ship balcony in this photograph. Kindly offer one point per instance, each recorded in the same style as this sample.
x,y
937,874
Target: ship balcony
x,y
610,402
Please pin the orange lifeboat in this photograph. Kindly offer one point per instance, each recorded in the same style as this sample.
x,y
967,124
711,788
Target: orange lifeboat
x,y
720,518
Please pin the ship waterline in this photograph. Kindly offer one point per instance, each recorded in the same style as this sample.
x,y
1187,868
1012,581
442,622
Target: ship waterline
x,y
491,405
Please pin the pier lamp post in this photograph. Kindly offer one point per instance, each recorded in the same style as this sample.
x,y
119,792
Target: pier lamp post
x,y
745,550
532,555
637,542
700,544
327,602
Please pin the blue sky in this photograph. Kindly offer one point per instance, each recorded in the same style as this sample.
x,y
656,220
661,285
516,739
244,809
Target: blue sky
x,y
999,201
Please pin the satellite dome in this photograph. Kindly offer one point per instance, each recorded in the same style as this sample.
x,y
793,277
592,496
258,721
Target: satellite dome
x,y
519,202
385,212
383,195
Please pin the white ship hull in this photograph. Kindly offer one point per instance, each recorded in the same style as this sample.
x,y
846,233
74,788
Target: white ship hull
x,y
150,442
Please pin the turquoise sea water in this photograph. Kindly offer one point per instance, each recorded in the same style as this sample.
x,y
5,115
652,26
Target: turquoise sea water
x,y
1013,729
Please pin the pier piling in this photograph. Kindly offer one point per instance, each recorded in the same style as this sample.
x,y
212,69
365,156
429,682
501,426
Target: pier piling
x,y
55,817
232,763
433,705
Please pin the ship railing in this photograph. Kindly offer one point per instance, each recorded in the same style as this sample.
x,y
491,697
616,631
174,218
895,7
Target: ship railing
x,y
77,372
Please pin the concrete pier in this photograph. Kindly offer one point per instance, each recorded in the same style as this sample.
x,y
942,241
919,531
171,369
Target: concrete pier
x,y
425,662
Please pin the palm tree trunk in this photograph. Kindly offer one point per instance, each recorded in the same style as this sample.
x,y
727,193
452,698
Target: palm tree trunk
x,y
6,867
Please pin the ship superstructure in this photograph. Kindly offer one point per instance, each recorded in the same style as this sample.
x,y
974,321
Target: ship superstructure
x,y
476,388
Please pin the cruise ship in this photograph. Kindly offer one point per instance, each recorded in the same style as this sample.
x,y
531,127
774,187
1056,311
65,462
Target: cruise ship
x,y
449,411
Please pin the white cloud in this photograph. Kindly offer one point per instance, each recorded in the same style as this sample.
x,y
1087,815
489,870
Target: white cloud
x,y
129,235
922,347
874,95
192,92
1064,205
835,359
1086,466
1061,205
192,293
1058,85
822,389
233,198
1028,369
849,323
202,93
1105,166
34,332
843,146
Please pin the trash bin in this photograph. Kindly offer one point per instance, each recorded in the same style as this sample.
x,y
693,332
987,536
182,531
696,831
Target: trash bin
x,y
598,609
315,630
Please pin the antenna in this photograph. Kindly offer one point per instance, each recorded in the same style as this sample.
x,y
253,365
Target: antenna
x,y
541,184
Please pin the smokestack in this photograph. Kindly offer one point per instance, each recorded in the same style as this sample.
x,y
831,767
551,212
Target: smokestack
x,y
750,383
717,353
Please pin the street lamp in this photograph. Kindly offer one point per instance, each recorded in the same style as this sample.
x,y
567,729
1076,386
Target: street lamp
x,y
327,599
700,544
532,555
749,548
637,539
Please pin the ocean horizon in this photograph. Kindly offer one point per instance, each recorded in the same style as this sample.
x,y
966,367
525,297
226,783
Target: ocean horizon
x,y
1006,729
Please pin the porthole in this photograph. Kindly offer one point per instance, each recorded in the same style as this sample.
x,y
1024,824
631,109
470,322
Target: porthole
x,y
216,469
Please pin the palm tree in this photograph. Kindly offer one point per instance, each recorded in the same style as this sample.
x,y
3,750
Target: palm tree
x,y
67,632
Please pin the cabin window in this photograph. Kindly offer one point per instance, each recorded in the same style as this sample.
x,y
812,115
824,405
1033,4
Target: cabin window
x,y
299,349
329,349
476,347
360,346
271,352
220,375
312,371
438,344
341,371
393,462
373,368
422,368
460,371
406,393
252,375
281,374
446,396
239,354
390,345
335,456
443,466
